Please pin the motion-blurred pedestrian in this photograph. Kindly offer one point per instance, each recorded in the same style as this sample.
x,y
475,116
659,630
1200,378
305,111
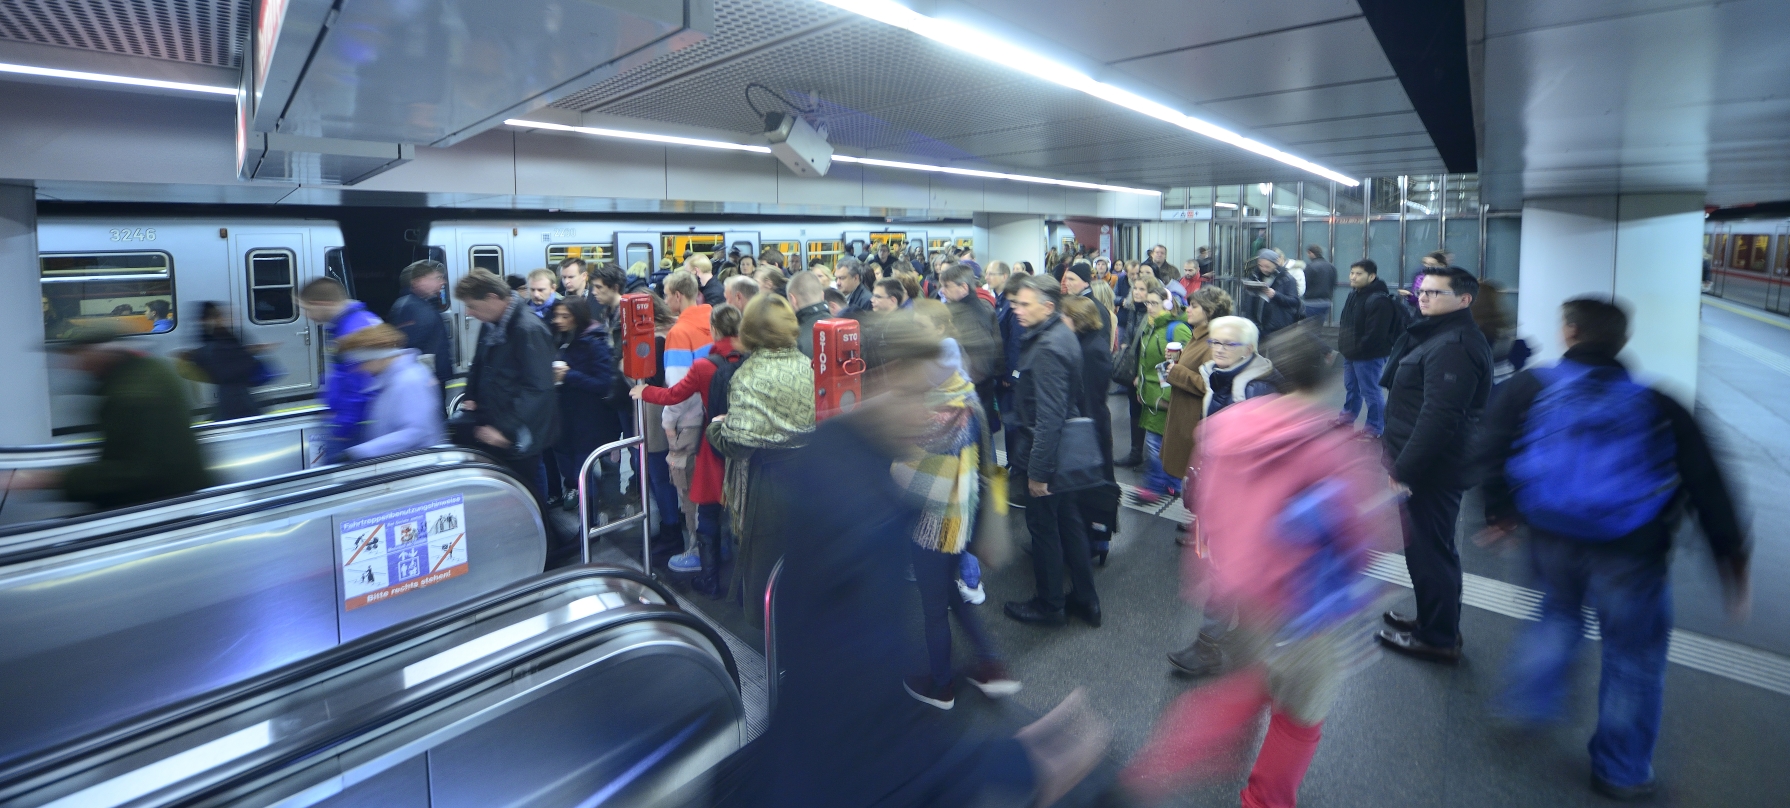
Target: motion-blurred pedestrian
x,y
227,363
405,412
326,303
509,389
417,313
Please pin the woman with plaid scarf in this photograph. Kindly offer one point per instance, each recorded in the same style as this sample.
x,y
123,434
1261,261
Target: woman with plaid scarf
x,y
944,479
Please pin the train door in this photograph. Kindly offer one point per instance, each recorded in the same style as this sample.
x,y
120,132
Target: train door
x,y
745,242
640,248
269,267
486,248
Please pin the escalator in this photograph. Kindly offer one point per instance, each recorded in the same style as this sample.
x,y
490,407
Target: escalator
x,y
583,687
236,451
108,615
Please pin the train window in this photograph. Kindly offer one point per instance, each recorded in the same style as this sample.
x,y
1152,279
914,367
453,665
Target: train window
x,y
488,257
1783,265
273,286
895,241
131,291
1761,257
744,247
676,245
826,251
335,267
591,253
792,251
639,253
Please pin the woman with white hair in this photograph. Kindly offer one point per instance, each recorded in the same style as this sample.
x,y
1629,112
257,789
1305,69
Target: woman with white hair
x,y
1236,371
405,413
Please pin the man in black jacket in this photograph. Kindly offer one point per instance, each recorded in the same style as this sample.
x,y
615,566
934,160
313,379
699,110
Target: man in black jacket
x,y
810,301
1437,379
1320,284
854,282
509,389
1047,386
1624,578
415,313
1371,319
984,354
1271,297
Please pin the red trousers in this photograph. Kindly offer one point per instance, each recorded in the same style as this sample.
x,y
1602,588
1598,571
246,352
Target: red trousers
x,y
1202,728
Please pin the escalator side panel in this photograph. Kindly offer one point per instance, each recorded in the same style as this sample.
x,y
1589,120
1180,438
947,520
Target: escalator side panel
x,y
98,636
92,643
503,542
635,726
405,785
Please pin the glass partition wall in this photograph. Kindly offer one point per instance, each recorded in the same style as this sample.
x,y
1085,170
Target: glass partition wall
x,y
1395,221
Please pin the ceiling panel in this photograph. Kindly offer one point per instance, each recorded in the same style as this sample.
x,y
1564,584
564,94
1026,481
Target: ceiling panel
x,y
1090,28
207,32
1289,60
1316,105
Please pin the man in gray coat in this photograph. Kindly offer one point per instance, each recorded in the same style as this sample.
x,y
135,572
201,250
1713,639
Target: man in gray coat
x,y
1046,387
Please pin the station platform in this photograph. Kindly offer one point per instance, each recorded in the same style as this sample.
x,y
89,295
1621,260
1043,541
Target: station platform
x,y
1409,733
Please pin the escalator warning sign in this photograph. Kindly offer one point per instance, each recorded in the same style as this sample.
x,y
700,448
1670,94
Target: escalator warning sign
x,y
401,551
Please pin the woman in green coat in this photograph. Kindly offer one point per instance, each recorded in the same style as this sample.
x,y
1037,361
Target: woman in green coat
x,y
1162,327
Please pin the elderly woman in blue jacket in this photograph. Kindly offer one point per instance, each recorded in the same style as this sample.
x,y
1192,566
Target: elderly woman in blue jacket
x,y
404,412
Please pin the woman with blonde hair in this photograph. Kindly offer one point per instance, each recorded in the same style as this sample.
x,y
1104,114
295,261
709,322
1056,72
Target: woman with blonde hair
x,y
770,411
405,412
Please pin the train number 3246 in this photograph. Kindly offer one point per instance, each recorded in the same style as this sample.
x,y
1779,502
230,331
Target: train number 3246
x,y
132,233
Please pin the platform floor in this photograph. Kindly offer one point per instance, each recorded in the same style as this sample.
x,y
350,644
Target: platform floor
x,y
1407,733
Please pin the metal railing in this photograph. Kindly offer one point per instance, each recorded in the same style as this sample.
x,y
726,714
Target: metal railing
x,y
585,531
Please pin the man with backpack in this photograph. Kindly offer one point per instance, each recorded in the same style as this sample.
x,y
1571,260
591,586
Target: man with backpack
x,y
1371,320
1601,468
1437,381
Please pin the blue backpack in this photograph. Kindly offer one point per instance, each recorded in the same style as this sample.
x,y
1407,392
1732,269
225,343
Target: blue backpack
x,y
1595,460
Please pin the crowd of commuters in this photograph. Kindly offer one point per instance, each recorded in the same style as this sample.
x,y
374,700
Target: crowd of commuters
x,y
901,501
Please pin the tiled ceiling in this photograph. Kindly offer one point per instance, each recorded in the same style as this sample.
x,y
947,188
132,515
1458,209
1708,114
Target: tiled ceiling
x,y
205,32
1311,71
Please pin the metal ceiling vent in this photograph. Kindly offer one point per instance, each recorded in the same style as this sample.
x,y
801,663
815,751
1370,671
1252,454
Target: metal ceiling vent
x,y
204,32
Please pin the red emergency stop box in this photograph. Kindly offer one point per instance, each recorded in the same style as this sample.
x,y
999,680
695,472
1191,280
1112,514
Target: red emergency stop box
x,y
639,351
838,367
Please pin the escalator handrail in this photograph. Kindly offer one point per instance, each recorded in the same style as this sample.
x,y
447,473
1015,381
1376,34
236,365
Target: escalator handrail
x,y
299,670
32,551
70,522
152,724
494,670
201,429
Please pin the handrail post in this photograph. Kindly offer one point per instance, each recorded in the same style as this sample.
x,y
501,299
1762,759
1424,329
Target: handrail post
x,y
646,527
637,444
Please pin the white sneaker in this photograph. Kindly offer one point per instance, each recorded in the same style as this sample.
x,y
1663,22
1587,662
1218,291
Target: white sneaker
x,y
971,596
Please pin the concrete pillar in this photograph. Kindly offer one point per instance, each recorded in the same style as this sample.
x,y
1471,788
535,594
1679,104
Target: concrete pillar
x,y
1014,237
1643,249
25,397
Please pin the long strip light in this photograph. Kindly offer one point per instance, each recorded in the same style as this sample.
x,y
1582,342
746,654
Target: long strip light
x,y
842,158
78,75
1001,52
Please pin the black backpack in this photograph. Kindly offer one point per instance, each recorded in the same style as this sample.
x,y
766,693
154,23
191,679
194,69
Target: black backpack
x,y
722,381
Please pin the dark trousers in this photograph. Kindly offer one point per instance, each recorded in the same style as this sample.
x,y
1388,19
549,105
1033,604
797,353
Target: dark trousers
x,y
1059,539
1633,601
1434,562
1136,409
936,575
664,493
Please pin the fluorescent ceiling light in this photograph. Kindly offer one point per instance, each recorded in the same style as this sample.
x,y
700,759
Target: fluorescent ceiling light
x,y
78,75
993,175
838,158
1007,54
625,135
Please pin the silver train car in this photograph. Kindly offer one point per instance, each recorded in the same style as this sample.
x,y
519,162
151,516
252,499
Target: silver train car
x,y
1748,261
149,275
519,247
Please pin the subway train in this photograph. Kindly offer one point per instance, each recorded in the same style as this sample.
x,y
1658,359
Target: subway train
x,y
1748,260
150,274
519,247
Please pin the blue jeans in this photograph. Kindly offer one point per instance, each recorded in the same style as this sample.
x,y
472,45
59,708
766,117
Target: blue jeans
x,y
1633,602
664,493
936,575
1361,380
1155,479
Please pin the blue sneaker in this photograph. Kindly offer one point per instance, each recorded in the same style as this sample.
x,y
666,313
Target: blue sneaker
x,y
685,562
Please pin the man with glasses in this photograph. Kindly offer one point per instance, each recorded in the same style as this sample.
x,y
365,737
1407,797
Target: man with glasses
x,y
1437,381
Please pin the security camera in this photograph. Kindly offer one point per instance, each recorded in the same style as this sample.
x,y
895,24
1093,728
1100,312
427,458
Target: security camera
x,y
797,144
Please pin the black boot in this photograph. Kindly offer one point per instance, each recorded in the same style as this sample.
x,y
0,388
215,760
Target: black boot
x,y
1133,460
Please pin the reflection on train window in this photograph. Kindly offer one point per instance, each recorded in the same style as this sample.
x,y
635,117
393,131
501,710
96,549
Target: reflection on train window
x,y
133,292
639,253
591,253
895,241
1751,252
792,252
273,282
1783,264
488,257
1721,249
827,252
335,267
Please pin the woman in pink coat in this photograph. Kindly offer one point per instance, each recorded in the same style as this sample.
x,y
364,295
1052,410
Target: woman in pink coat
x,y
1289,506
